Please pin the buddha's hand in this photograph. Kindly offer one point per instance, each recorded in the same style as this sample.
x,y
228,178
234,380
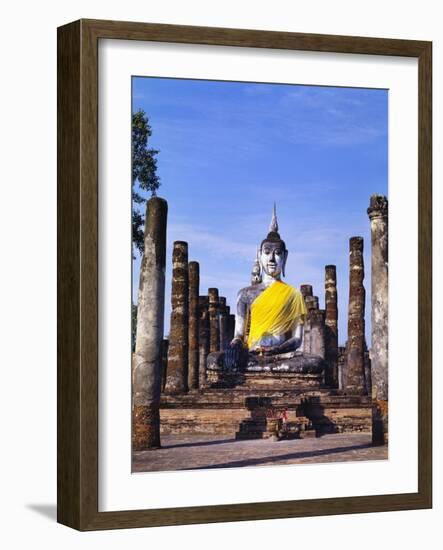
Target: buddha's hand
x,y
260,350
271,350
233,357
236,342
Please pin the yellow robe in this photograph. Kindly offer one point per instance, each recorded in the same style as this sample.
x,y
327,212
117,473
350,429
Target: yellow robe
x,y
276,311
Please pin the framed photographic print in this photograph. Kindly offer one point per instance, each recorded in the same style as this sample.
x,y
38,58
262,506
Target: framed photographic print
x,y
244,274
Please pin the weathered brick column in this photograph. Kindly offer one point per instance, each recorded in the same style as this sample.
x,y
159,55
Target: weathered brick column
x,y
227,313
378,215
341,367
306,290
147,367
223,319
231,327
214,325
165,346
355,364
203,338
368,372
311,303
331,325
317,331
177,372
193,354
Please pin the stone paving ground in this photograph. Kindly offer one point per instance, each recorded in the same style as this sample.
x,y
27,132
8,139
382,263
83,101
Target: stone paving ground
x,y
190,452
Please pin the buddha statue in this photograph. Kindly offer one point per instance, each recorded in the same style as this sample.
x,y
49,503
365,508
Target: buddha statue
x,y
256,270
269,317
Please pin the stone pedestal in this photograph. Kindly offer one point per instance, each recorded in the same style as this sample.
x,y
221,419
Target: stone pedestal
x,y
147,358
292,370
378,215
229,411
177,372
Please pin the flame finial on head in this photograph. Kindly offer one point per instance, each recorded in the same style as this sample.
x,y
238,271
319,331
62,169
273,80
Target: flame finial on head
x,y
273,235
273,227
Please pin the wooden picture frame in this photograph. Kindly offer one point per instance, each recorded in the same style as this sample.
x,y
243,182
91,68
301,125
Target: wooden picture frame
x,y
78,274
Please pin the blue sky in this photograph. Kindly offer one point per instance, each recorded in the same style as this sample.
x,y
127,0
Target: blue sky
x,y
228,150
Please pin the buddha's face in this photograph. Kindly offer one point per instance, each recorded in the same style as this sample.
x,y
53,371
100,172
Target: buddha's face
x,y
273,258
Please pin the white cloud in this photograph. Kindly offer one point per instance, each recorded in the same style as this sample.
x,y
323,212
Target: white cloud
x,y
214,244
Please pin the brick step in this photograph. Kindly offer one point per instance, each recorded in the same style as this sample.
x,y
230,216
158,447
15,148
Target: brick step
x,y
251,429
253,424
254,435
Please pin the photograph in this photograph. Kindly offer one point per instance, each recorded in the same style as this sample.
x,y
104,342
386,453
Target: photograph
x,y
259,274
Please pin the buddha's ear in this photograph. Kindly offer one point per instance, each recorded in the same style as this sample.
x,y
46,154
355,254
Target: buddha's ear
x,y
284,263
260,263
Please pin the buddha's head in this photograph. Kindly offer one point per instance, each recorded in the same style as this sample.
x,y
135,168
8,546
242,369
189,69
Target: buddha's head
x,y
273,251
256,270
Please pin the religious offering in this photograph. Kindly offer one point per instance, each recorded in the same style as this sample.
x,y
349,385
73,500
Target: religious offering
x,y
260,274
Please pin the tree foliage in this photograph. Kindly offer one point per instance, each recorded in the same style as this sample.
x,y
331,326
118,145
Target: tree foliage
x,y
144,174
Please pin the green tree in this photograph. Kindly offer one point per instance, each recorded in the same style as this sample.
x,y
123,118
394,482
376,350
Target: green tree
x,y
144,174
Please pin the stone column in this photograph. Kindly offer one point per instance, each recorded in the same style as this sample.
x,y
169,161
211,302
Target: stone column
x,y
368,373
378,215
341,367
306,290
203,338
331,325
231,325
147,367
214,327
311,303
228,338
165,346
193,354
177,372
317,331
355,363
222,316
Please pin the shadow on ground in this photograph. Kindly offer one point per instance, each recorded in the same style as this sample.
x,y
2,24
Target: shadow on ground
x,y
198,443
287,456
49,511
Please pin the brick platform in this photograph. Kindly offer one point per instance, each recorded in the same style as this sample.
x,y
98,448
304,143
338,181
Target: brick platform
x,y
222,411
